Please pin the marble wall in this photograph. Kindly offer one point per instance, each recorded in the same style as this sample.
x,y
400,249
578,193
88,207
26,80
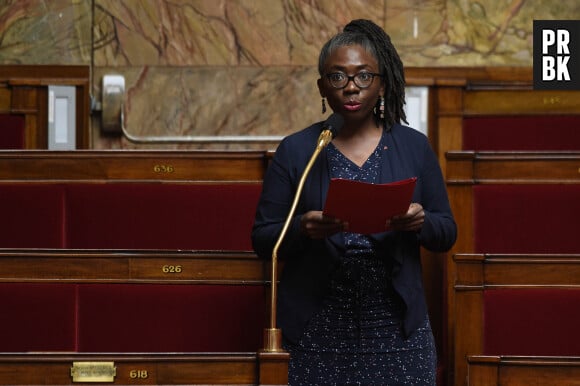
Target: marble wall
x,y
201,71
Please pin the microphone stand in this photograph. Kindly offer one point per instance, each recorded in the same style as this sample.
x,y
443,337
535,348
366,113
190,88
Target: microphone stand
x,y
273,335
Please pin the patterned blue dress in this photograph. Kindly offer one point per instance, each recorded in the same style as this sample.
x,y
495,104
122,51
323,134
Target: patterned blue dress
x,y
357,338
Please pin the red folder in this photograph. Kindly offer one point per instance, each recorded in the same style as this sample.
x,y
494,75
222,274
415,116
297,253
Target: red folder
x,y
367,207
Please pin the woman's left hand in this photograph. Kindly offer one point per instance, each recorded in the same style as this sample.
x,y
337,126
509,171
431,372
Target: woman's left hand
x,y
411,221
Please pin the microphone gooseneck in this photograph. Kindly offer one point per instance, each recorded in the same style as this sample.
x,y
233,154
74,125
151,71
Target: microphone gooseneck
x,y
330,129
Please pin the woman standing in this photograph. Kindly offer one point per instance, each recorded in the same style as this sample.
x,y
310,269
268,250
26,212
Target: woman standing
x,y
351,306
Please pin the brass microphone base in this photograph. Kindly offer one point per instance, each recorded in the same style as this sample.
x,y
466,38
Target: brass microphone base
x,y
273,340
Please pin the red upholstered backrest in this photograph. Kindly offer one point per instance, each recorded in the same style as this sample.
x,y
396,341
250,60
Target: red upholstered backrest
x,y
171,318
12,131
131,317
32,215
529,218
532,133
37,317
532,322
161,216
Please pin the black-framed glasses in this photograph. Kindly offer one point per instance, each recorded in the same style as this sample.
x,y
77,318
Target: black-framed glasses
x,y
362,79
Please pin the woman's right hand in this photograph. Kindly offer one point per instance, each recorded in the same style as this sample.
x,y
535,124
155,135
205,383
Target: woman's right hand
x,y
316,225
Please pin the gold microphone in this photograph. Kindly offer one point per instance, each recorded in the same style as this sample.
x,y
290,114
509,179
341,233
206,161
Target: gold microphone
x,y
273,335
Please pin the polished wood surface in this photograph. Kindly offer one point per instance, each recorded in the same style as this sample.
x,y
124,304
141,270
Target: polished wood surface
x,y
133,165
462,76
500,167
149,369
131,266
523,371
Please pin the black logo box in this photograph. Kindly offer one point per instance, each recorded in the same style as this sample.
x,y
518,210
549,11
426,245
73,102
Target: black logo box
x,y
573,62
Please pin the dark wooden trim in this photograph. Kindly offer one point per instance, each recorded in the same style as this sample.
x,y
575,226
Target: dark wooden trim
x,y
132,266
113,165
158,369
523,371
470,168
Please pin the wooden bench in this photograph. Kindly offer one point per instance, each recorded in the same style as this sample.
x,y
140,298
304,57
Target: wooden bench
x,y
171,317
486,109
511,202
516,314
140,258
549,179
129,200
496,109
127,301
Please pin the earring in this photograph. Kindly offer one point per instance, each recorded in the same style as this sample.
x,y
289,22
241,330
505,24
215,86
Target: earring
x,y
382,108
323,105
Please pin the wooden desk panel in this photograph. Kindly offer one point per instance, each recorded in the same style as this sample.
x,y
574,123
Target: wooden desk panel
x,y
523,371
150,369
65,265
133,165
525,101
468,167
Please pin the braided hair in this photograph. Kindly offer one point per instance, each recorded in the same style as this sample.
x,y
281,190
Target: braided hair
x,y
376,41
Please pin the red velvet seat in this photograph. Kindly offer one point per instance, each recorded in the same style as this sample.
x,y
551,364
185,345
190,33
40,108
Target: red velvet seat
x,y
160,216
37,317
521,132
540,322
170,318
131,318
128,215
32,215
526,218
115,317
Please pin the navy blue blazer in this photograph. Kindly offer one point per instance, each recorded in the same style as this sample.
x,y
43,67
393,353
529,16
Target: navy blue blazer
x,y
308,263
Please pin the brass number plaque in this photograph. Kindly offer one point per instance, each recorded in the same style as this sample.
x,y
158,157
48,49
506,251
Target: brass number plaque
x,y
93,372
